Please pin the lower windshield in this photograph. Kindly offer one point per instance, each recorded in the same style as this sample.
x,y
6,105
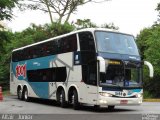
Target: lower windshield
x,y
111,42
117,75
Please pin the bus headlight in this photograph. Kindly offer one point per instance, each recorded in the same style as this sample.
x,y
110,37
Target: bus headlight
x,y
139,95
105,94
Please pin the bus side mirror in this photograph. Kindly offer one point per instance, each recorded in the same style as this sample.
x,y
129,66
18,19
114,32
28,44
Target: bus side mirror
x,y
150,66
102,64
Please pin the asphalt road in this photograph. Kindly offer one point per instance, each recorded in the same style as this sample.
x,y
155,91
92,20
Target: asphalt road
x,y
45,109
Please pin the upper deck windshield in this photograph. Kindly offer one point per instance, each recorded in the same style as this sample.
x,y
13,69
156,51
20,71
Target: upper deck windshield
x,y
111,42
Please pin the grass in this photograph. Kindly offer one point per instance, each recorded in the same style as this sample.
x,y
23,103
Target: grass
x,y
151,100
148,97
6,93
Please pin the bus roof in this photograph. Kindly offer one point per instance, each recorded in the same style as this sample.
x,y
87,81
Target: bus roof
x,y
64,35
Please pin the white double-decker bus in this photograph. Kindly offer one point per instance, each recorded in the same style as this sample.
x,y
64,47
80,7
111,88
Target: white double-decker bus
x,y
91,66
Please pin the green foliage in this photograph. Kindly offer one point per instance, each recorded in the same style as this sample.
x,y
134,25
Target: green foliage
x,y
146,94
28,36
86,23
149,43
110,26
4,37
158,9
6,7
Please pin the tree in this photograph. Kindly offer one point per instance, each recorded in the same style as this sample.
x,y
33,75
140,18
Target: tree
x,y
86,23
110,26
4,37
149,43
6,7
63,8
158,9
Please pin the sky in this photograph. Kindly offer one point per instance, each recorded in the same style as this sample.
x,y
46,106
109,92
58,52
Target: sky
x,y
131,16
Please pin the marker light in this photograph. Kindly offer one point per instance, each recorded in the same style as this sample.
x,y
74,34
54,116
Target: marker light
x,y
103,101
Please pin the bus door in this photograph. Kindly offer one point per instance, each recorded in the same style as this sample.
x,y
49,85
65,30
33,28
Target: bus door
x,y
91,83
89,66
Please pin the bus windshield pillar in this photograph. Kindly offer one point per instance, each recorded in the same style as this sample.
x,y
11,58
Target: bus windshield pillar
x,y
102,64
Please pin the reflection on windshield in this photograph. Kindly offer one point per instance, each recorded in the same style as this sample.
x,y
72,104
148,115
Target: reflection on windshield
x,y
116,43
117,76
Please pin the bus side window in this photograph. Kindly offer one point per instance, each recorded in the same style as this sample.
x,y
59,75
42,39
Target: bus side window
x,y
67,44
57,74
86,41
87,47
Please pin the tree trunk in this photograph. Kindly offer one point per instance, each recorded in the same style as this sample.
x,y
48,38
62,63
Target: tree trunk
x,y
60,19
68,16
49,11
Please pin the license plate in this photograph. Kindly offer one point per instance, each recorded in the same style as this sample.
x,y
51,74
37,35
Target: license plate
x,y
123,101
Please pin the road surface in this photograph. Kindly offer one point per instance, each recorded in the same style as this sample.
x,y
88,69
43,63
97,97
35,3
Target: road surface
x,y
45,109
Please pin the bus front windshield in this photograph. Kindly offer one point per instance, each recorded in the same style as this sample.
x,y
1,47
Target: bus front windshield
x,y
111,42
124,75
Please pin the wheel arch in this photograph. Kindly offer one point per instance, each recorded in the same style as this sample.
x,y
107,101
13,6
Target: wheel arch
x,y
19,86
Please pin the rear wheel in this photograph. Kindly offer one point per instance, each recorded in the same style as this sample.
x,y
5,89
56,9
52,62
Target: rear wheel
x,y
61,99
19,93
25,95
111,107
97,108
75,102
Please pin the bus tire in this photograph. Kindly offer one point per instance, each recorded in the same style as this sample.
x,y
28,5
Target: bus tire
x,y
97,108
61,99
19,93
76,105
25,95
111,107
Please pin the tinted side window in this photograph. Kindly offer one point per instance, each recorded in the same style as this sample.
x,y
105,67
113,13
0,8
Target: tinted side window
x,y
58,74
87,47
88,58
14,56
62,45
86,41
67,44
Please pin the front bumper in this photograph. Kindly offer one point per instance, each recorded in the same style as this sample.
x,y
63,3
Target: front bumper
x,y
105,101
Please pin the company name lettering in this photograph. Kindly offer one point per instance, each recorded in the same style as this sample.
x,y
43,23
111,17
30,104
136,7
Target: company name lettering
x,y
21,70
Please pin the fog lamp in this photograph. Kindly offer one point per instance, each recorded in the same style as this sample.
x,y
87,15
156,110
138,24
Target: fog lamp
x,y
105,94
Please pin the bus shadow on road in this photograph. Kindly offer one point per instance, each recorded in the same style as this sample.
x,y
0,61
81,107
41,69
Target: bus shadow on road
x,y
104,109
86,108
44,101
82,107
